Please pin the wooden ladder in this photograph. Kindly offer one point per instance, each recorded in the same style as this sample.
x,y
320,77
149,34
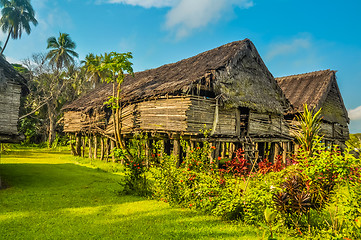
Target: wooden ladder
x,y
249,149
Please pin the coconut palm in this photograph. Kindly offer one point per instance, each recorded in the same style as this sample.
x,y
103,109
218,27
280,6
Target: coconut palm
x,y
16,18
91,66
62,51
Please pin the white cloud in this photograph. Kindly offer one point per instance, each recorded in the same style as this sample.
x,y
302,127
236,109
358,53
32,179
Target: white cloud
x,y
289,47
355,114
186,16
189,15
147,3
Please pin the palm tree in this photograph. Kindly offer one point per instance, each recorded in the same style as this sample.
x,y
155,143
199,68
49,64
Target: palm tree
x,y
91,66
16,17
62,51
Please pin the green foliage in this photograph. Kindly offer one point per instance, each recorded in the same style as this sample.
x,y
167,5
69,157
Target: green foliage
x,y
16,16
62,51
309,127
136,169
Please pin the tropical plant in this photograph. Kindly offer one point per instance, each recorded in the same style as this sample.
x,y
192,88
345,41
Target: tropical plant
x,y
308,128
62,51
91,65
112,68
16,18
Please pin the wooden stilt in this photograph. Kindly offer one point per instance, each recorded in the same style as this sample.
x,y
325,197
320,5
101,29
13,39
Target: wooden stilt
x,y
223,151
78,144
72,138
176,151
90,147
101,148
217,152
107,149
95,146
83,146
112,146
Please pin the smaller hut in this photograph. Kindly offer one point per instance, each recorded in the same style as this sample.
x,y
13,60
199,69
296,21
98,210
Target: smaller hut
x,y
12,86
319,90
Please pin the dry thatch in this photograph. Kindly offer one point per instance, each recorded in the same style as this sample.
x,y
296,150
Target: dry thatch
x,y
316,89
235,71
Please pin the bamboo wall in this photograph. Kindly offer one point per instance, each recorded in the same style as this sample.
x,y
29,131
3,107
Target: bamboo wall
x,y
261,124
9,109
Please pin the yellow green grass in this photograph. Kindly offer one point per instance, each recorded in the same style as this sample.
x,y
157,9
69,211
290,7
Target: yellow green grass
x,y
52,196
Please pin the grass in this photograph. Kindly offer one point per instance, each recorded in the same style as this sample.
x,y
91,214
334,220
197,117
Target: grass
x,y
51,196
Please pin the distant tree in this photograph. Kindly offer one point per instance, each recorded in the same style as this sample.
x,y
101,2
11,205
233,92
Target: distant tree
x,y
16,17
49,91
62,51
91,66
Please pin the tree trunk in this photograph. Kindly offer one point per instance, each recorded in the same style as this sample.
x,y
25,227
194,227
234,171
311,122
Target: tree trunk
x,y
7,40
52,124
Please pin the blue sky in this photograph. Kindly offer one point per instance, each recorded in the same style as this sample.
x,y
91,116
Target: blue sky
x,y
291,36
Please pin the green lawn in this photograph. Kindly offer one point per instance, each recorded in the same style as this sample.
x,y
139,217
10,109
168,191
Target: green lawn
x,y
51,196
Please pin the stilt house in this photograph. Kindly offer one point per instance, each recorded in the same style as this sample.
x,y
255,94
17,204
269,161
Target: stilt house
x,y
318,90
227,89
12,86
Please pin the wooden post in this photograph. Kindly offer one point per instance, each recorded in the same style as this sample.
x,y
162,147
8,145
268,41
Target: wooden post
x,y
107,149
83,146
223,151
112,146
101,148
272,152
176,151
90,147
216,152
72,138
284,153
277,149
95,146
78,144
231,150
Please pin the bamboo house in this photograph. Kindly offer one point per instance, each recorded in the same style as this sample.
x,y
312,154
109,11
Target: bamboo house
x,y
227,89
12,86
319,90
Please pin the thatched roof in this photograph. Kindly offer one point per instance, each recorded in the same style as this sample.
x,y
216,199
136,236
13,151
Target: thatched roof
x,y
316,89
258,91
8,73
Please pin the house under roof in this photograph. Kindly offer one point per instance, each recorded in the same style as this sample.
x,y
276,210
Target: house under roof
x,y
318,90
12,86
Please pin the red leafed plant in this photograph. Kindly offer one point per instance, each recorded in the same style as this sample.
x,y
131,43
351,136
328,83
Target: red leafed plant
x,y
238,166
266,166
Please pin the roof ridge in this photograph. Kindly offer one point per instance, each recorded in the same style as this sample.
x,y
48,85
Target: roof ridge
x,y
307,73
